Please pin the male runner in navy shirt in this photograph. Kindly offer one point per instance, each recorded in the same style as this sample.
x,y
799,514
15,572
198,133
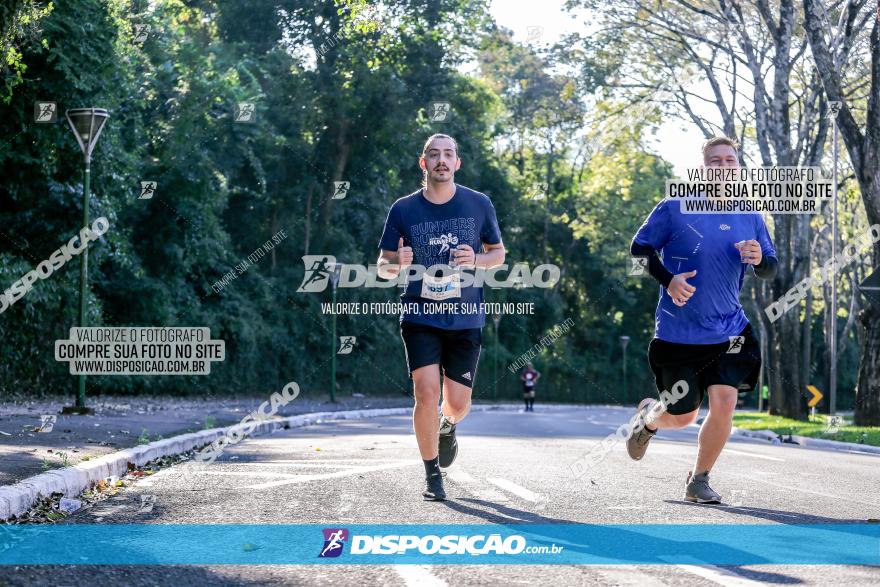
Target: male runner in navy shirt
x,y
442,224
702,334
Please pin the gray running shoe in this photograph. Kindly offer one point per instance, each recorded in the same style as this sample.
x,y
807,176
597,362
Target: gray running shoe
x,y
698,490
448,446
637,443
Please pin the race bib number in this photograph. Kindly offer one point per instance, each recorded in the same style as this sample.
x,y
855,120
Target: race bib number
x,y
441,288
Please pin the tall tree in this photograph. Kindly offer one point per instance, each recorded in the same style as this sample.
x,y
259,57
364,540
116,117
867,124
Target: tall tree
x,y
860,130
749,57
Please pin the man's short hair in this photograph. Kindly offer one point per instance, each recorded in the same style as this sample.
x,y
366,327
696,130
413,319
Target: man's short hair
x,y
439,136
720,140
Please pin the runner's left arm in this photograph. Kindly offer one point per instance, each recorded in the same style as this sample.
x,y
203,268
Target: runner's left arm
x,y
493,252
766,269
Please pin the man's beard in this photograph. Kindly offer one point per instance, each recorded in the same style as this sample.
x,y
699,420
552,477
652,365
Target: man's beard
x,y
435,177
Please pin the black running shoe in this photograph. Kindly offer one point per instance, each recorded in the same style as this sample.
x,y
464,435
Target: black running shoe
x,y
434,489
448,444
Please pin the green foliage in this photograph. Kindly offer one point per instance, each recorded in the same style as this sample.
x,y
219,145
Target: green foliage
x,y
339,95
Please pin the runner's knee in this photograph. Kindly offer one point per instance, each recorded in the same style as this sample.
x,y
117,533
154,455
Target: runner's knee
x,y
459,404
427,393
722,400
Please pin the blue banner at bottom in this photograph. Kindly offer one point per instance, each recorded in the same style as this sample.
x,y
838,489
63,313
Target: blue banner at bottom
x,y
377,544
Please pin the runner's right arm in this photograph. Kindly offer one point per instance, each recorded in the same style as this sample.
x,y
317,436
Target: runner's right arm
x,y
655,265
390,262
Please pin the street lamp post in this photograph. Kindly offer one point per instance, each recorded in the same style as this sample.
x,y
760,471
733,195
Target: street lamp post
x,y
334,281
832,381
86,124
496,318
624,340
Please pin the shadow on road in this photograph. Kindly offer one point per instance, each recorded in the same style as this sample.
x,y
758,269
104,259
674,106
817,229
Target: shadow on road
x,y
625,546
779,516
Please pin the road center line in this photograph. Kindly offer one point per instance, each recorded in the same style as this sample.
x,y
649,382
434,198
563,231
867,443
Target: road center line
x,y
515,489
334,475
418,576
474,486
823,494
720,575
628,576
751,454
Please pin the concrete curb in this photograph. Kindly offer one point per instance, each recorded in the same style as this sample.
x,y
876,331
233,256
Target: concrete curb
x,y
71,481
806,441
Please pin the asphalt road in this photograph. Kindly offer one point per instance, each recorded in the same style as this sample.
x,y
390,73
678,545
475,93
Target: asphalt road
x,y
513,468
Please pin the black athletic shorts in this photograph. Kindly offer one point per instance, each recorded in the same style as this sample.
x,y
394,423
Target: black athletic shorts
x,y
702,365
456,351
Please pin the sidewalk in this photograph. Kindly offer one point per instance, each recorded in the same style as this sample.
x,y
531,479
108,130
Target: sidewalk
x,y
125,422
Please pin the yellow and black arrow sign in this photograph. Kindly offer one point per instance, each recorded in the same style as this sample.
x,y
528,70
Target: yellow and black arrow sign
x,y
817,396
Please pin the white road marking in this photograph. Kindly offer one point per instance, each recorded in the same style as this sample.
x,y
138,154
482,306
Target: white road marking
x,y
474,486
304,465
628,576
418,576
248,473
751,454
720,575
355,470
515,489
831,495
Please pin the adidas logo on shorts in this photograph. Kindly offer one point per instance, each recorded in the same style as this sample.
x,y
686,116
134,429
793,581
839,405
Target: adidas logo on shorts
x,y
467,375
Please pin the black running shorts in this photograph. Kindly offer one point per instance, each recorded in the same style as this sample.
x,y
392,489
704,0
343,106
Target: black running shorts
x,y
456,351
702,365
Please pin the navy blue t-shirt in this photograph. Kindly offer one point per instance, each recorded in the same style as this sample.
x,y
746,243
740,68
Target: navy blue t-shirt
x,y
432,230
704,242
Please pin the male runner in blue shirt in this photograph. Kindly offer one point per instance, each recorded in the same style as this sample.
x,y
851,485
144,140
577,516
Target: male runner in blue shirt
x,y
702,334
441,224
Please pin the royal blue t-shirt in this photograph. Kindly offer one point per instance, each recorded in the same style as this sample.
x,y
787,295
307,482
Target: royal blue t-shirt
x,y
704,242
431,230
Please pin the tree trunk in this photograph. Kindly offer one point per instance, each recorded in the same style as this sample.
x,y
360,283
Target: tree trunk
x,y
863,147
867,412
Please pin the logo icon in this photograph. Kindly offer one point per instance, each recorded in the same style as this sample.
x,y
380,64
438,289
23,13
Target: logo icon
x,y
724,227
340,189
638,266
444,241
466,375
334,540
148,188
534,34
834,108
439,111
736,344
245,112
834,423
318,272
140,33
346,345
147,503
47,423
45,112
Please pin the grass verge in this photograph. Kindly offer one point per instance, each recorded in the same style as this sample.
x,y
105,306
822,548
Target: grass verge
x,y
819,427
